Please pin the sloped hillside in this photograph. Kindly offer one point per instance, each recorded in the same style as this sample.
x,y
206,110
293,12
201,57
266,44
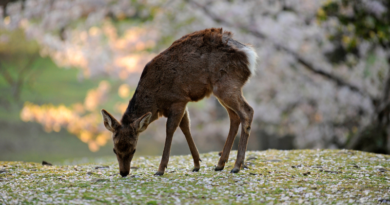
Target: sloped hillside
x,y
314,176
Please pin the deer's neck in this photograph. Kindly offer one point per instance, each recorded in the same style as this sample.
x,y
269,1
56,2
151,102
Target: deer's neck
x,y
141,103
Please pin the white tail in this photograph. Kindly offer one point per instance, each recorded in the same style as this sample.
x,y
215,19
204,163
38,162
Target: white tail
x,y
252,57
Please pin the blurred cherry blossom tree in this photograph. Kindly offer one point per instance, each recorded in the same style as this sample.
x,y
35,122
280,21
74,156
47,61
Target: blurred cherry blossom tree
x,y
298,90
18,65
362,30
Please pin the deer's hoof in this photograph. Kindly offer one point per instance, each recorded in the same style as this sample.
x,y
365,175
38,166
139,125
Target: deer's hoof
x,y
158,173
235,170
195,170
218,168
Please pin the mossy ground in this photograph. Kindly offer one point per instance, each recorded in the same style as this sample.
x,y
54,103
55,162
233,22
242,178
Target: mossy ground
x,y
290,177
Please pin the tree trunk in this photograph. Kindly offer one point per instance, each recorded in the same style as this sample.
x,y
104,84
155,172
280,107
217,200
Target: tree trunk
x,y
372,138
376,136
4,6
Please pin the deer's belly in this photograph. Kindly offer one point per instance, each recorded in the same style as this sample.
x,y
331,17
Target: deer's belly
x,y
198,93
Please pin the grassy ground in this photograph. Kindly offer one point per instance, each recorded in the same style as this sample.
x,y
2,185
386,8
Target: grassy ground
x,y
291,177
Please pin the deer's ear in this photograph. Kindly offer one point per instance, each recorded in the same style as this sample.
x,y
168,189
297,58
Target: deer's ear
x,y
141,123
109,121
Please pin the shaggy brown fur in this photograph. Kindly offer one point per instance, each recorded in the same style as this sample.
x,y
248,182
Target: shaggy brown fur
x,y
193,67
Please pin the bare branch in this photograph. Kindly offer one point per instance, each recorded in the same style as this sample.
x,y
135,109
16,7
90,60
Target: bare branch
x,y
6,75
302,60
21,79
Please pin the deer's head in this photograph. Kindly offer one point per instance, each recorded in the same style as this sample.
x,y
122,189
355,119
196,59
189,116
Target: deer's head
x,y
125,138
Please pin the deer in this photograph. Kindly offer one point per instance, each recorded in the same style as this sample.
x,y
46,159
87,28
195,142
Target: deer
x,y
195,66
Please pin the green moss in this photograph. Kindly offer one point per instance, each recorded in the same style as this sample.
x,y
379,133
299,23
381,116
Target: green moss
x,y
298,176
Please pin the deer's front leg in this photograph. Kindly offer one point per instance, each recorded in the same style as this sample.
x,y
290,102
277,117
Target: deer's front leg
x,y
174,118
185,127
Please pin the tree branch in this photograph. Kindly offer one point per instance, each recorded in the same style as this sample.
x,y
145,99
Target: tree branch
x,y
302,60
6,75
21,76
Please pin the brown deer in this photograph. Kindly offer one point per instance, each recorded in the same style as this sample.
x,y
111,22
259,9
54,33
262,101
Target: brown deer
x,y
193,67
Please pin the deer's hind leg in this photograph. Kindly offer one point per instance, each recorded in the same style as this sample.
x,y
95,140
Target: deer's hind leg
x,y
234,124
231,97
185,128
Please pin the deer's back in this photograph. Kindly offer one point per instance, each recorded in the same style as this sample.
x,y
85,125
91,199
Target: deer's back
x,y
190,68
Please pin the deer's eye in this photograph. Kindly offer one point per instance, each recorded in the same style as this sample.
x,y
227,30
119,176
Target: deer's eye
x,y
114,150
133,151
